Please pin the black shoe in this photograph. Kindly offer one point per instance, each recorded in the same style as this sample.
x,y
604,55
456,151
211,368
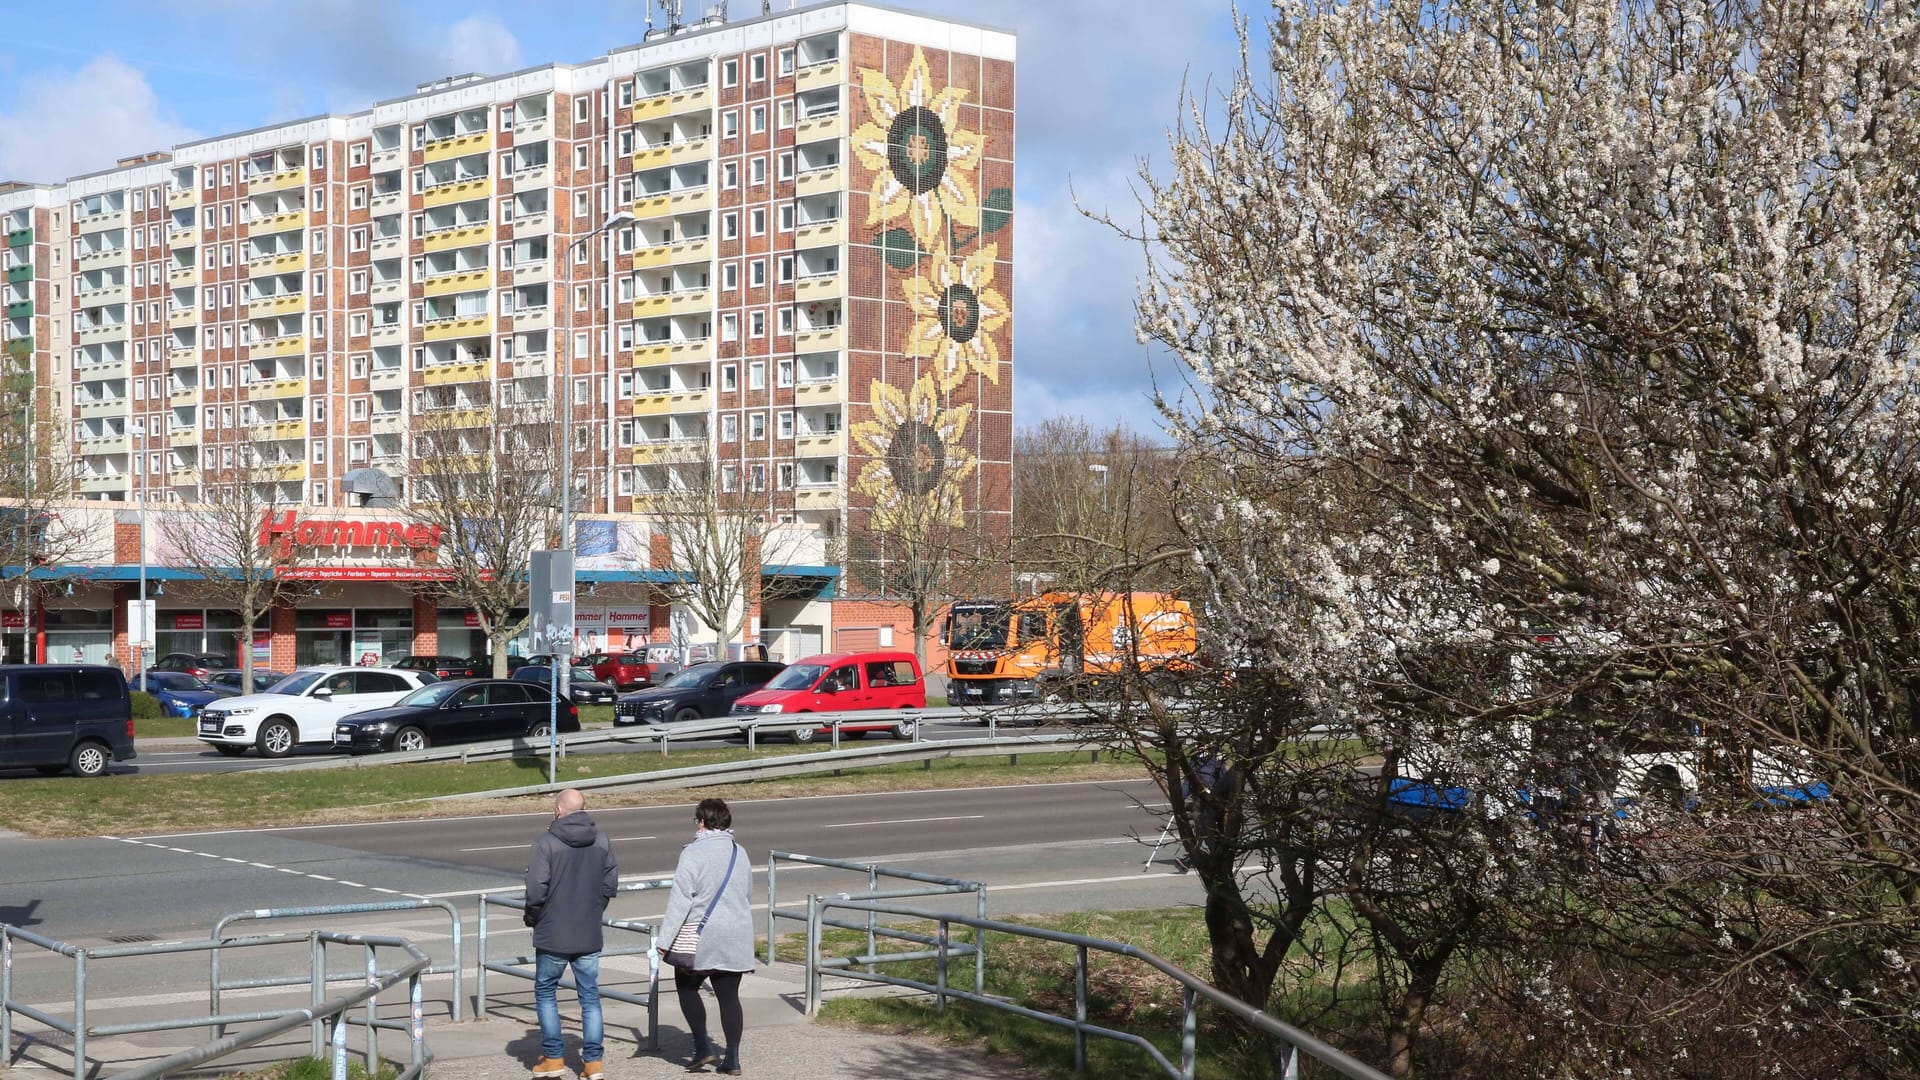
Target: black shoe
x,y
1180,866
701,1061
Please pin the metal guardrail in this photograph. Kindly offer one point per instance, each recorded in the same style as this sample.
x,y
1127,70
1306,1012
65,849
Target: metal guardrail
x,y
520,967
1193,988
812,917
456,968
267,1023
766,768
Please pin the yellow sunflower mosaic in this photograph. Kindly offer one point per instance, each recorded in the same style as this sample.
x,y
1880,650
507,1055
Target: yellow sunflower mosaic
x,y
919,153
918,457
957,311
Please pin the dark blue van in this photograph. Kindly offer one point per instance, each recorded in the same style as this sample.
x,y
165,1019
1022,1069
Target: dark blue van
x,y
58,718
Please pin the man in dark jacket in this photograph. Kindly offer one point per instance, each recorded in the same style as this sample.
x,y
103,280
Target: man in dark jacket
x,y
570,877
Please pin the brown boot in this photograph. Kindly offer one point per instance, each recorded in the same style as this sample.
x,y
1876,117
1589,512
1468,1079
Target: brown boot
x,y
549,1067
592,1071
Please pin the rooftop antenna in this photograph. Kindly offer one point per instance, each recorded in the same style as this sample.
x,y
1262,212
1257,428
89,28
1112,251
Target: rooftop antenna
x,y
672,10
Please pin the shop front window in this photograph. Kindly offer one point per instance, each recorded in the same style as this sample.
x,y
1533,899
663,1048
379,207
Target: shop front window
x,y
80,637
364,636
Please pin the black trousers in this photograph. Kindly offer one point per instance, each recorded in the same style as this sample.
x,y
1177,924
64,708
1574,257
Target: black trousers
x,y
726,988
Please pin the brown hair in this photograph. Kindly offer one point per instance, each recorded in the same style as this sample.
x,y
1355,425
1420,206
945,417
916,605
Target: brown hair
x,y
713,814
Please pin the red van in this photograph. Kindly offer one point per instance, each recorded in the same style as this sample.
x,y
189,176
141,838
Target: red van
x,y
843,682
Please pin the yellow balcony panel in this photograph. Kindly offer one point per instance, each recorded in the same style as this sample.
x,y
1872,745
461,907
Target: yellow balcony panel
x,y
692,99
182,475
386,247
111,332
823,497
699,249
700,349
817,181
692,301
827,339
467,371
653,108
277,305
180,238
182,356
277,181
664,452
286,346
533,224
464,281
818,287
182,394
103,407
652,404
102,483
683,202
822,392
478,187
652,354
652,305
681,401
471,416
465,326
819,445
820,234
277,223
535,318
275,389
459,237
455,146
648,206
284,429
182,318
286,470
649,257
184,436
182,275
815,76
386,203
833,126
103,257
387,377
181,199
278,264
652,157
699,148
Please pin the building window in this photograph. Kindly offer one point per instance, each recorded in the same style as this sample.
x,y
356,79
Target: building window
x,y
785,114
729,428
730,73
357,154
757,324
729,378
757,375
784,425
730,327
582,109
757,477
757,274
729,478
730,175
758,66
757,172
786,173
786,269
729,227
757,120
786,320
784,477
730,124
786,61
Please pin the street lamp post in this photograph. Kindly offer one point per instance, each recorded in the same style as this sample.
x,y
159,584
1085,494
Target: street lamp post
x,y
1100,471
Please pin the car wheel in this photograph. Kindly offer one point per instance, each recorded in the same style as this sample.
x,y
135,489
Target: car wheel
x,y
88,759
410,738
276,738
905,728
540,730
686,716
804,735
229,750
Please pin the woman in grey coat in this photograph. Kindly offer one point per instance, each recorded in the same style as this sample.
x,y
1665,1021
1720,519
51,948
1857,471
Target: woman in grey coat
x,y
725,952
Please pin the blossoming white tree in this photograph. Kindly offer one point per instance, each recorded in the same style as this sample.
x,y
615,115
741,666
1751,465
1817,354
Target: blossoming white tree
x,y
1600,321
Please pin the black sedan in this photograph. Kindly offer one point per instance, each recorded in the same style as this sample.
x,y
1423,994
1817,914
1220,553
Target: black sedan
x,y
452,712
703,690
582,687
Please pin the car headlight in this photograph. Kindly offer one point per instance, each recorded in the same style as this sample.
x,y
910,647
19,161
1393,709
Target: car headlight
x,y
773,708
246,710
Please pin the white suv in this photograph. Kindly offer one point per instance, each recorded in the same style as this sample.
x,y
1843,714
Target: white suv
x,y
302,708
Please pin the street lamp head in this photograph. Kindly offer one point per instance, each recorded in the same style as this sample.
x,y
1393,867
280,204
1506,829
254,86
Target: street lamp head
x,y
617,219
1097,468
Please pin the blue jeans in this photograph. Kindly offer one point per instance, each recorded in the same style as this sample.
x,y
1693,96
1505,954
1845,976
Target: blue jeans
x,y
548,967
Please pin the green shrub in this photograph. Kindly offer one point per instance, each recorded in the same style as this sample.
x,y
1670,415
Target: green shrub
x,y
145,706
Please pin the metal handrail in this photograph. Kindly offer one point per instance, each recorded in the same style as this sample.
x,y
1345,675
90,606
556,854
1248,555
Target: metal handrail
x,y
1193,988
456,968
518,966
267,1023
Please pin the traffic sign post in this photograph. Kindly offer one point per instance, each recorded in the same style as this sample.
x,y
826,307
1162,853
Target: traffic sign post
x,y
550,609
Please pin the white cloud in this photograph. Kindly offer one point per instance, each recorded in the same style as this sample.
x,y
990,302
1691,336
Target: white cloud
x,y
482,43
69,122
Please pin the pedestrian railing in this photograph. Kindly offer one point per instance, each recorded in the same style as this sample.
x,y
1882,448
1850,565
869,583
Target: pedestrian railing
x,y
521,967
454,967
814,918
1294,1042
264,1024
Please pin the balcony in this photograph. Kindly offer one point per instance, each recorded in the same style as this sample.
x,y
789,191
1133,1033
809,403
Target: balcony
x,y
458,236
179,238
698,249
106,483
652,108
283,180
830,126
387,292
181,318
100,257
647,206
457,281
817,181
462,372
691,349
818,392
652,306
387,378
822,445
458,327
386,160
391,202
183,393
388,423
692,99
459,191
282,429
698,148
652,157
389,334
19,274
685,401
691,199
386,247
98,407
652,353
101,296
291,345
532,318
101,221
283,304
533,224
180,198
184,436
22,309
19,238
817,497
820,233
182,356
182,275
649,257
692,301
653,403
818,287
274,389
660,451
281,263
825,339
454,146
88,335
817,76
268,224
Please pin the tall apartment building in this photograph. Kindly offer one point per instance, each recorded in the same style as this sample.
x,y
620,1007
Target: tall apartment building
x,y
811,296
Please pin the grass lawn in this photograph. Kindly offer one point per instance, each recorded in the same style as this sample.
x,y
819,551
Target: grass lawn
x,y
122,805
1122,994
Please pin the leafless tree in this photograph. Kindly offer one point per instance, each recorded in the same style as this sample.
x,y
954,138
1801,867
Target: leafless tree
x,y
486,478
921,558
223,539
1080,492
36,480
719,535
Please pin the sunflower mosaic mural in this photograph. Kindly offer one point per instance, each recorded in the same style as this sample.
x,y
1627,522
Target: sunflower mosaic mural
x,y
919,153
919,459
957,312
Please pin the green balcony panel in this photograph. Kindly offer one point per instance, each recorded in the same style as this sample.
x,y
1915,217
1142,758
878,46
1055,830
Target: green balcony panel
x,y
20,310
20,238
20,273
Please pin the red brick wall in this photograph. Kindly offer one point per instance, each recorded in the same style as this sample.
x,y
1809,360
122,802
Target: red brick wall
x,y
856,623
426,625
281,656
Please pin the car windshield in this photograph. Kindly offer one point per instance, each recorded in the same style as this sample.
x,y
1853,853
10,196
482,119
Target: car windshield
x,y
431,694
981,627
692,678
797,677
295,684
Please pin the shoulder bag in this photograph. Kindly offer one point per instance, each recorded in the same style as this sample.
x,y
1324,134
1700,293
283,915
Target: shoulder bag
x,y
680,952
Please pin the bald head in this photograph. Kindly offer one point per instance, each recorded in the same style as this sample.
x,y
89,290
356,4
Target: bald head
x,y
569,801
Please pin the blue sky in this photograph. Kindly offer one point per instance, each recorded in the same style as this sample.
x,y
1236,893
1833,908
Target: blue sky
x,y
86,81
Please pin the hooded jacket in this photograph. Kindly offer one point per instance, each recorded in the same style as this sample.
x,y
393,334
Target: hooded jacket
x,y
570,877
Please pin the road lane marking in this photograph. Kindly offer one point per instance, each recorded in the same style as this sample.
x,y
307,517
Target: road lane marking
x,y
905,821
260,866
525,843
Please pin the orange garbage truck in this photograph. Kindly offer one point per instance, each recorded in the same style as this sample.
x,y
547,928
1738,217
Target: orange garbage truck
x,y
1046,647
